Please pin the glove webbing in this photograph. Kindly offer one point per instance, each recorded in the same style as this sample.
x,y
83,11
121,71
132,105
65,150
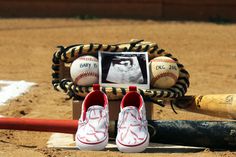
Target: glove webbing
x,y
69,54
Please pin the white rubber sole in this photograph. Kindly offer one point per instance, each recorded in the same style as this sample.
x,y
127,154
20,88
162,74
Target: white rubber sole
x,y
93,146
133,148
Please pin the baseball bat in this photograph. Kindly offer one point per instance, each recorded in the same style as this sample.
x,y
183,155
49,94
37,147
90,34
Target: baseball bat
x,y
212,134
220,105
45,125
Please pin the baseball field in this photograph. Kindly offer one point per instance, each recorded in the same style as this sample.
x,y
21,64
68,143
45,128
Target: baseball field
x,y
207,50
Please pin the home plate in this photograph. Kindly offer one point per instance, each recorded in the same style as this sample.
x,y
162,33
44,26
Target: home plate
x,y
66,141
61,140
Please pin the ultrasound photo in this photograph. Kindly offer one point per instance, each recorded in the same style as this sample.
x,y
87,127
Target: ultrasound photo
x,y
121,69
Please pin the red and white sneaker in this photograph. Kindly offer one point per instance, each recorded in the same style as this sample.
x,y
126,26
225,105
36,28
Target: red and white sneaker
x,y
92,132
132,133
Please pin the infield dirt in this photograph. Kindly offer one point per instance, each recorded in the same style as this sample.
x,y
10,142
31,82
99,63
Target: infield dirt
x,y
207,50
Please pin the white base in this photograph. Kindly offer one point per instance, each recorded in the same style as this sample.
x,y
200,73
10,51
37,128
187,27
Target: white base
x,y
66,141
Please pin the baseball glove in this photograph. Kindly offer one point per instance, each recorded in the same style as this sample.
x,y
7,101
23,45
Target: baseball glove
x,y
66,55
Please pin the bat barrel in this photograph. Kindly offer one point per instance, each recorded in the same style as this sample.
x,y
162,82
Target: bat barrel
x,y
220,105
211,134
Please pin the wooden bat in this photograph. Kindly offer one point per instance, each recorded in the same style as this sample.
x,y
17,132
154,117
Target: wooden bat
x,y
212,134
45,125
220,105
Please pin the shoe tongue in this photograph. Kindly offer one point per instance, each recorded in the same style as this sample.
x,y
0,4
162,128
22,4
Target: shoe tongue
x,y
95,107
132,114
130,108
94,111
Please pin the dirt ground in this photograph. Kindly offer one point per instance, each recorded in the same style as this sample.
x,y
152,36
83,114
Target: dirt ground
x,y
207,50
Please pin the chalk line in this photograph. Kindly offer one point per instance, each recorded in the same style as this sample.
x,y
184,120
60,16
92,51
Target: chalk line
x,y
13,89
